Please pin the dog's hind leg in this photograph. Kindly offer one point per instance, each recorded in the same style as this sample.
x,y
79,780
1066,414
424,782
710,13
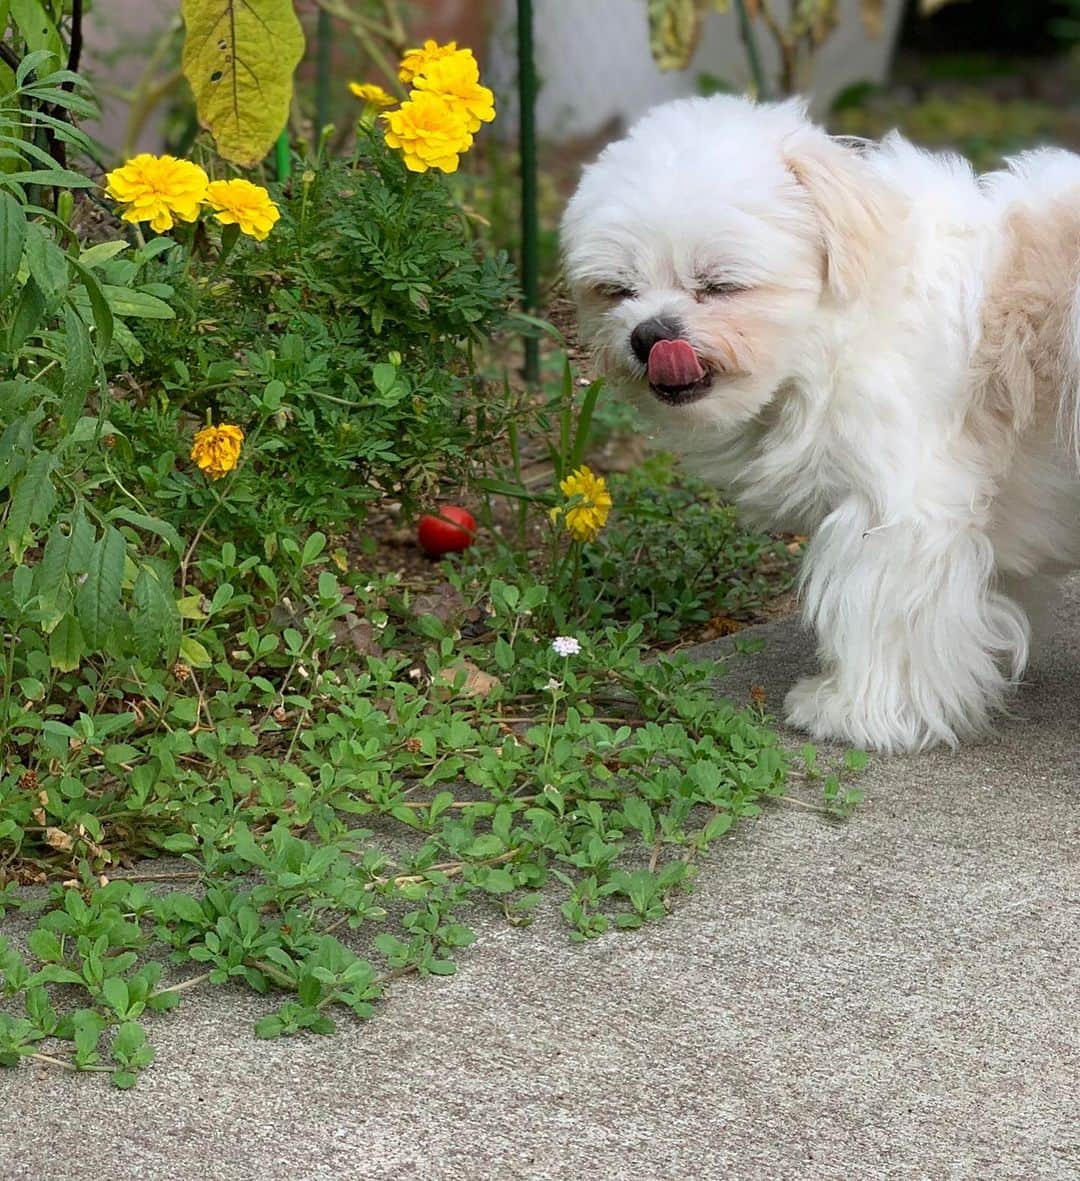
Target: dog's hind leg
x,y
918,643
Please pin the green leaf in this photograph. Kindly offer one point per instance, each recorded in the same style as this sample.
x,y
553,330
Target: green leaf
x,y
130,1040
67,551
99,306
239,58
62,178
28,314
45,945
37,28
12,236
67,645
99,254
151,524
313,547
185,907
155,620
180,842
86,1028
115,992
193,653
98,600
48,265
270,1026
79,365
33,501
125,302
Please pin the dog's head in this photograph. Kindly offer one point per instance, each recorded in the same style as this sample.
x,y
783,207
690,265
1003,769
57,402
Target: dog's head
x,y
706,249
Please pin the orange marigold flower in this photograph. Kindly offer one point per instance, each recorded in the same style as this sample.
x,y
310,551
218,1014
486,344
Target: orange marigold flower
x,y
416,61
239,202
372,94
588,503
216,449
429,131
457,78
158,189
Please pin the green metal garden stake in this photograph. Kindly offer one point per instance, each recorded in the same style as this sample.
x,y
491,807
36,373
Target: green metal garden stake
x,y
530,225
282,159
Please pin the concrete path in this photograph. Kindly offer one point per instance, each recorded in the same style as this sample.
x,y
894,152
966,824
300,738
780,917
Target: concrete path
x,y
894,998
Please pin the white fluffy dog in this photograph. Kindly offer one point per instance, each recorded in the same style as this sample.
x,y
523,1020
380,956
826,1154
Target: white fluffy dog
x,y
870,345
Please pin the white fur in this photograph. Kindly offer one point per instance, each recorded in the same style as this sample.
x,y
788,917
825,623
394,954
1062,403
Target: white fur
x,y
858,394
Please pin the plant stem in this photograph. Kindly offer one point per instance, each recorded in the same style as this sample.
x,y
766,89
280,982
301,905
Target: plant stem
x,y
753,54
324,33
530,223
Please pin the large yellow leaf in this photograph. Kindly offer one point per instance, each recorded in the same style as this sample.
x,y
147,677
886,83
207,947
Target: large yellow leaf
x,y
239,56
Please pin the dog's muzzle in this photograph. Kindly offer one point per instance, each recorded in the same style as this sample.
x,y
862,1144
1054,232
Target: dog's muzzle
x,y
676,375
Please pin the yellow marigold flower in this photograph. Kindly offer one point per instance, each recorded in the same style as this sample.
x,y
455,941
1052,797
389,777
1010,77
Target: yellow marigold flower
x,y
217,449
457,78
589,504
239,202
373,94
158,189
416,61
429,131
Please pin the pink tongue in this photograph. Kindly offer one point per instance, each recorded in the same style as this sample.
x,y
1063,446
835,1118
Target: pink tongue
x,y
674,363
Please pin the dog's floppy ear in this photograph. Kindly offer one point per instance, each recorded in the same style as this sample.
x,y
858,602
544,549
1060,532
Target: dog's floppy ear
x,y
851,208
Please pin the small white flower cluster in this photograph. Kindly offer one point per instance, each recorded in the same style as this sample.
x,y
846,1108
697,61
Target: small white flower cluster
x,y
565,646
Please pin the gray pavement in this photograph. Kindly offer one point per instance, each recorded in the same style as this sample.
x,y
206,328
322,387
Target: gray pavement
x,y
894,998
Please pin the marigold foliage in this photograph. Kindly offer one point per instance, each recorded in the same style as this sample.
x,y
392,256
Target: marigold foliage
x,y
216,449
158,189
239,202
588,504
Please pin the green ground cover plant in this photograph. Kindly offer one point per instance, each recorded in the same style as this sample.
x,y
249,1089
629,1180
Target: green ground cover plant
x,y
343,764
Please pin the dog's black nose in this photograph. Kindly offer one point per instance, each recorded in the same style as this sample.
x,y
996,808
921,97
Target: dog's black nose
x,y
648,332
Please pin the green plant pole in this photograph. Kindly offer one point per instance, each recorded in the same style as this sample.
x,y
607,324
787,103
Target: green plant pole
x,y
282,160
324,34
753,56
530,224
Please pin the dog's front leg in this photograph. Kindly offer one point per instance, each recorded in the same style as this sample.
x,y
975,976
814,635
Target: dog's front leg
x,y
917,645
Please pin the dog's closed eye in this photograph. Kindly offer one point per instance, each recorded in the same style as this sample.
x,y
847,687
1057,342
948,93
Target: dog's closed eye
x,y
614,291
716,288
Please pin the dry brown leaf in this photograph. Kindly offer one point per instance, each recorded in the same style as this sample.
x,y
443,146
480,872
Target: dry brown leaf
x,y
358,632
58,839
445,602
477,683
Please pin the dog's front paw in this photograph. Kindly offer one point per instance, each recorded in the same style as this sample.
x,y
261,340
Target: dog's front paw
x,y
819,706
814,705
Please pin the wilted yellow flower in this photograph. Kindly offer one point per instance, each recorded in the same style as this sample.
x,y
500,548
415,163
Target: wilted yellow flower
x,y
589,503
239,202
416,61
429,131
457,78
217,449
372,93
158,189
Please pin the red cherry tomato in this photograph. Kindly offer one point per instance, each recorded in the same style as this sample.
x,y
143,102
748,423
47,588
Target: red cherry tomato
x,y
452,530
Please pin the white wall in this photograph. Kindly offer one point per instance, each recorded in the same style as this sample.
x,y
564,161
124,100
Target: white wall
x,y
594,63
